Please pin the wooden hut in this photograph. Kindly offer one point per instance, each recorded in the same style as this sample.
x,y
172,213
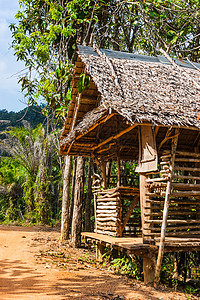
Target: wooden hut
x,y
146,110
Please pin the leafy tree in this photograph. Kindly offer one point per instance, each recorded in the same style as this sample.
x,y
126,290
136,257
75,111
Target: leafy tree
x,y
33,149
11,181
172,25
48,31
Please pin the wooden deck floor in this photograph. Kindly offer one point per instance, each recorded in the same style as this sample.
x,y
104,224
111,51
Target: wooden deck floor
x,y
177,244
132,245
136,246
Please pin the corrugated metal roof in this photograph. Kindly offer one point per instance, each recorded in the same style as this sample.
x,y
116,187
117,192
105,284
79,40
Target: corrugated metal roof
x,y
139,57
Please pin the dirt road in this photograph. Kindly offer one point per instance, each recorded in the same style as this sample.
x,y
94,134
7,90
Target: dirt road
x,y
27,273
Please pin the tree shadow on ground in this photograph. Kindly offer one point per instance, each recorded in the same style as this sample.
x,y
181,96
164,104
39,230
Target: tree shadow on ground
x,y
35,228
16,277
84,287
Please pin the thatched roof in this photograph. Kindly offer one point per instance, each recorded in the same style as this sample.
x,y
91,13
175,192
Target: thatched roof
x,y
148,91
90,118
141,89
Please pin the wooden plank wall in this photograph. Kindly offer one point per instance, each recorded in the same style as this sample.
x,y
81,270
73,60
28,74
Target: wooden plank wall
x,y
108,212
184,210
113,207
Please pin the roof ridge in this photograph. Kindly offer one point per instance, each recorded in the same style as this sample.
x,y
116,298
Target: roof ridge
x,y
173,62
161,59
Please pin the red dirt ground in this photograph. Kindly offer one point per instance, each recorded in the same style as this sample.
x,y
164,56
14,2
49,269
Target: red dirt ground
x,y
35,265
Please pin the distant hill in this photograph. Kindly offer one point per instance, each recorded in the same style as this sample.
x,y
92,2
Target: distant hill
x,y
33,115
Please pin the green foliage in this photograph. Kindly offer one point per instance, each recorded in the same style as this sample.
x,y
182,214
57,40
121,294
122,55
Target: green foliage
x,y
130,265
27,174
181,270
127,265
87,258
190,290
83,83
11,179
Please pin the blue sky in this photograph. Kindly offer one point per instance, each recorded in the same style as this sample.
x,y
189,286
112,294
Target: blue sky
x,y
10,96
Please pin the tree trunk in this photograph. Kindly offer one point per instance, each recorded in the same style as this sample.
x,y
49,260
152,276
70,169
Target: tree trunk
x,y
116,34
78,199
108,172
124,181
88,198
66,198
73,189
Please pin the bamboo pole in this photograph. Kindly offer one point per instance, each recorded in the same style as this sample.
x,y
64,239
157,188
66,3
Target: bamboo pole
x,y
165,211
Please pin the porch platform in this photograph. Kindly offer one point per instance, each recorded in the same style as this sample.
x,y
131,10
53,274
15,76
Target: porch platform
x,y
131,245
180,244
136,246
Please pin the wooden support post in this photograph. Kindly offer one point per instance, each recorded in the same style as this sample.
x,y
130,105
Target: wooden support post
x,y
100,251
197,165
108,171
118,172
95,212
78,199
103,173
143,206
89,197
149,262
142,199
148,162
165,211
65,218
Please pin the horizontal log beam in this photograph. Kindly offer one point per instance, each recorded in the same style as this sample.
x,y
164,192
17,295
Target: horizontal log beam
x,y
156,179
174,228
178,233
106,218
188,153
115,136
185,186
103,119
187,169
187,177
185,194
174,221
196,160
172,213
